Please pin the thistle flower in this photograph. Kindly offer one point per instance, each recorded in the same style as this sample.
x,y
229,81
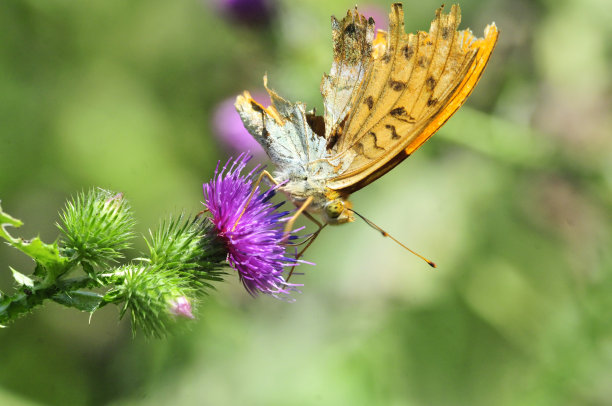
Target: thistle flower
x,y
252,236
255,13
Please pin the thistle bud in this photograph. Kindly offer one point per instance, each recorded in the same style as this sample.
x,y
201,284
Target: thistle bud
x,y
96,227
181,307
153,297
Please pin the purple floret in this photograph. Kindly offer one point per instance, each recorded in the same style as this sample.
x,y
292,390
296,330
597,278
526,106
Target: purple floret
x,y
254,244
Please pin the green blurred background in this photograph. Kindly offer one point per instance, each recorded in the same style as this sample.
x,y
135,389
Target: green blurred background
x,y
511,198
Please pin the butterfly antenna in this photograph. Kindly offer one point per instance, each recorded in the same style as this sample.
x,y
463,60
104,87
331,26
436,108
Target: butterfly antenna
x,y
386,234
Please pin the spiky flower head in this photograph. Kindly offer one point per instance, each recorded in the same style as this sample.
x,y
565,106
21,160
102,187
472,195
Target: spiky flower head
x,y
251,233
96,227
159,290
155,298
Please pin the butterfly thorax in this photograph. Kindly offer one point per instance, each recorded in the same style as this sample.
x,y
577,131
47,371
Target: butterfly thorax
x,y
332,206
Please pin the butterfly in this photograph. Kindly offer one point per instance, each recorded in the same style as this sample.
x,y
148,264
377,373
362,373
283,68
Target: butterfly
x,y
386,94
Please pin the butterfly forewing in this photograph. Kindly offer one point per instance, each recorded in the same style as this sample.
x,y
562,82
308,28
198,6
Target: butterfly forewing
x,y
353,37
283,131
415,82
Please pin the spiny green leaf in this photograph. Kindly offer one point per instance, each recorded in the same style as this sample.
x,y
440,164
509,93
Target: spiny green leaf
x,y
7,220
22,279
47,255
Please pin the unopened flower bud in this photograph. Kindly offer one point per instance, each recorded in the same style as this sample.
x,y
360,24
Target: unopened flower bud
x,y
181,307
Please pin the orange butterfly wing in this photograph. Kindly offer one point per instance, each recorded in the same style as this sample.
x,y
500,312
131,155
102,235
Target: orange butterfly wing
x,y
412,85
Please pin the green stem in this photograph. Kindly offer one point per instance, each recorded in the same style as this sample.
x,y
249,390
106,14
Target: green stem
x,y
27,299
13,307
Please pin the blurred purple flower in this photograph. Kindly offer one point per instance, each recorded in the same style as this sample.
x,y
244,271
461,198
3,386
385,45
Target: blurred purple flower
x,y
249,12
253,239
181,307
230,130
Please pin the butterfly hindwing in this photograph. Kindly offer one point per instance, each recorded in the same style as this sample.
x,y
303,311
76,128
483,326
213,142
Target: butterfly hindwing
x,y
413,83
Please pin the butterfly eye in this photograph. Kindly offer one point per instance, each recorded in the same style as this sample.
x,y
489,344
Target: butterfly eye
x,y
334,209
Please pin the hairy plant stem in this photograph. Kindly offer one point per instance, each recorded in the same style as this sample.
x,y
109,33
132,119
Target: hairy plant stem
x,y
28,298
21,303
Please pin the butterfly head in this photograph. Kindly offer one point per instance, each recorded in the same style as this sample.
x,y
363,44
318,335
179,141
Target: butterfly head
x,y
337,209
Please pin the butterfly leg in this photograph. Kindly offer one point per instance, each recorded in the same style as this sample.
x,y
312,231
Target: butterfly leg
x,y
299,211
289,226
313,235
255,186
310,241
199,215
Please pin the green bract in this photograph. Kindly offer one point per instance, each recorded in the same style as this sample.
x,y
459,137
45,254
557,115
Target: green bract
x,y
185,245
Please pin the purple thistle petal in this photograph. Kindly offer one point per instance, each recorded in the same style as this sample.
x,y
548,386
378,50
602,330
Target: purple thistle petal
x,y
254,241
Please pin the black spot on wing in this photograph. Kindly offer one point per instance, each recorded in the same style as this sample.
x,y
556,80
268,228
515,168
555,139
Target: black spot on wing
x,y
445,32
431,83
407,51
400,114
373,134
397,85
361,150
388,54
350,29
398,111
394,135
